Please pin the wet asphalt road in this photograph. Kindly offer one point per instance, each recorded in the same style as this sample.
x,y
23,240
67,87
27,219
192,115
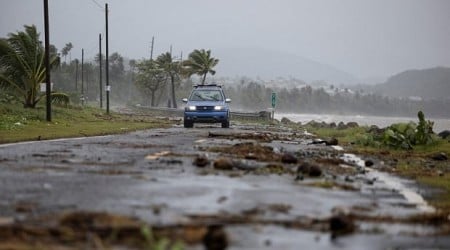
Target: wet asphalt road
x,y
150,175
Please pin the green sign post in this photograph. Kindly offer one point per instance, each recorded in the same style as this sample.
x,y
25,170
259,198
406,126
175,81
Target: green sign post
x,y
274,102
274,99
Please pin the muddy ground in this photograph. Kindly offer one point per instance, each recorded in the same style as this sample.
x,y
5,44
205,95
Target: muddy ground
x,y
247,187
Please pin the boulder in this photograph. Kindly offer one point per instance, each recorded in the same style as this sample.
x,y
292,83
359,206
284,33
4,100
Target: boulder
x,y
285,120
374,129
201,161
331,142
312,170
289,158
314,124
341,125
215,238
352,124
368,163
444,134
341,224
439,156
223,164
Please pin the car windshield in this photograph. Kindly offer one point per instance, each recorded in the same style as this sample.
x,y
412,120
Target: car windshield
x,y
206,95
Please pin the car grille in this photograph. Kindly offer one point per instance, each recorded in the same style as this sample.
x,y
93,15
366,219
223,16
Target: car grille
x,y
204,108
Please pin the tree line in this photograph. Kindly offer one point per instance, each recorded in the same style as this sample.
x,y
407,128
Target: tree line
x,y
22,71
251,96
166,79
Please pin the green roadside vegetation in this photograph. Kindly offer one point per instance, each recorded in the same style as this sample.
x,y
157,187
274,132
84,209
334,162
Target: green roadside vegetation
x,y
19,124
415,163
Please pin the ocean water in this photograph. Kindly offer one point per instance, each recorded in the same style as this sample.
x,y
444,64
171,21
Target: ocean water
x,y
380,121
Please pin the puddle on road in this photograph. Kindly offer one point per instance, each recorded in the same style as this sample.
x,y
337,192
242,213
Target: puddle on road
x,y
391,182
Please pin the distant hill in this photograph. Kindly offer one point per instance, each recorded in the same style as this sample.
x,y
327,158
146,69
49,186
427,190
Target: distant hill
x,y
268,64
431,83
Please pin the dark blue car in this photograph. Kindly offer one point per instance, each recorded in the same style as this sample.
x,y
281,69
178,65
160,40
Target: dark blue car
x,y
207,104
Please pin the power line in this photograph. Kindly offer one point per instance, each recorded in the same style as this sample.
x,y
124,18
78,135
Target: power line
x,y
98,5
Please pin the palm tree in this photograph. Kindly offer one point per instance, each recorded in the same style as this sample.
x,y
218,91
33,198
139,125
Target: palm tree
x,y
201,63
22,66
66,50
172,70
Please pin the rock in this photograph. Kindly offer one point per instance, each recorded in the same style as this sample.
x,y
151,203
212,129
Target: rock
x,y
341,125
251,156
368,163
314,124
215,238
318,141
369,181
315,171
440,173
309,169
285,120
289,158
201,161
439,156
303,168
332,125
444,134
331,142
223,164
348,179
299,177
340,225
245,164
352,125
375,130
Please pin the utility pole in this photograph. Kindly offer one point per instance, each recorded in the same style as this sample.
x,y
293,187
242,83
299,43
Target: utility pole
x,y
82,77
47,63
100,68
87,82
171,50
151,49
108,88
76,75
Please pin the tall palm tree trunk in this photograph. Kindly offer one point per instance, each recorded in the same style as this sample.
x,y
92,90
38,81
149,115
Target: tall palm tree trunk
x,y
204,78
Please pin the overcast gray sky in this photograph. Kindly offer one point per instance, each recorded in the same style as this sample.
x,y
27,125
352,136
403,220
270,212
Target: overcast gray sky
x,y
362,37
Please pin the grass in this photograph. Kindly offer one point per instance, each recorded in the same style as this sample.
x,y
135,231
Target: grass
x,y
415,164
441,199
19,124
345,136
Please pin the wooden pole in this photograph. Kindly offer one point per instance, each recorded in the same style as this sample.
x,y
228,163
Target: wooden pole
x,y
47,63
100,68
108,88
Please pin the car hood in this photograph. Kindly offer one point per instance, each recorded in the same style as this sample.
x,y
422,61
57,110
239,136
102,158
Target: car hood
x,y
205,103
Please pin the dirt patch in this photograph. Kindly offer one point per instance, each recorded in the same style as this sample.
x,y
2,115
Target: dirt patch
x,y
249,150
332,185
132,145
258,136
81,230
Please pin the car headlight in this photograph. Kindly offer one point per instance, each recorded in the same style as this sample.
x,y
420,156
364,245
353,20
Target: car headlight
x,y
191,108
218,107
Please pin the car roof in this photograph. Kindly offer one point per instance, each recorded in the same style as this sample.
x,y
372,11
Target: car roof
x,y
207,86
